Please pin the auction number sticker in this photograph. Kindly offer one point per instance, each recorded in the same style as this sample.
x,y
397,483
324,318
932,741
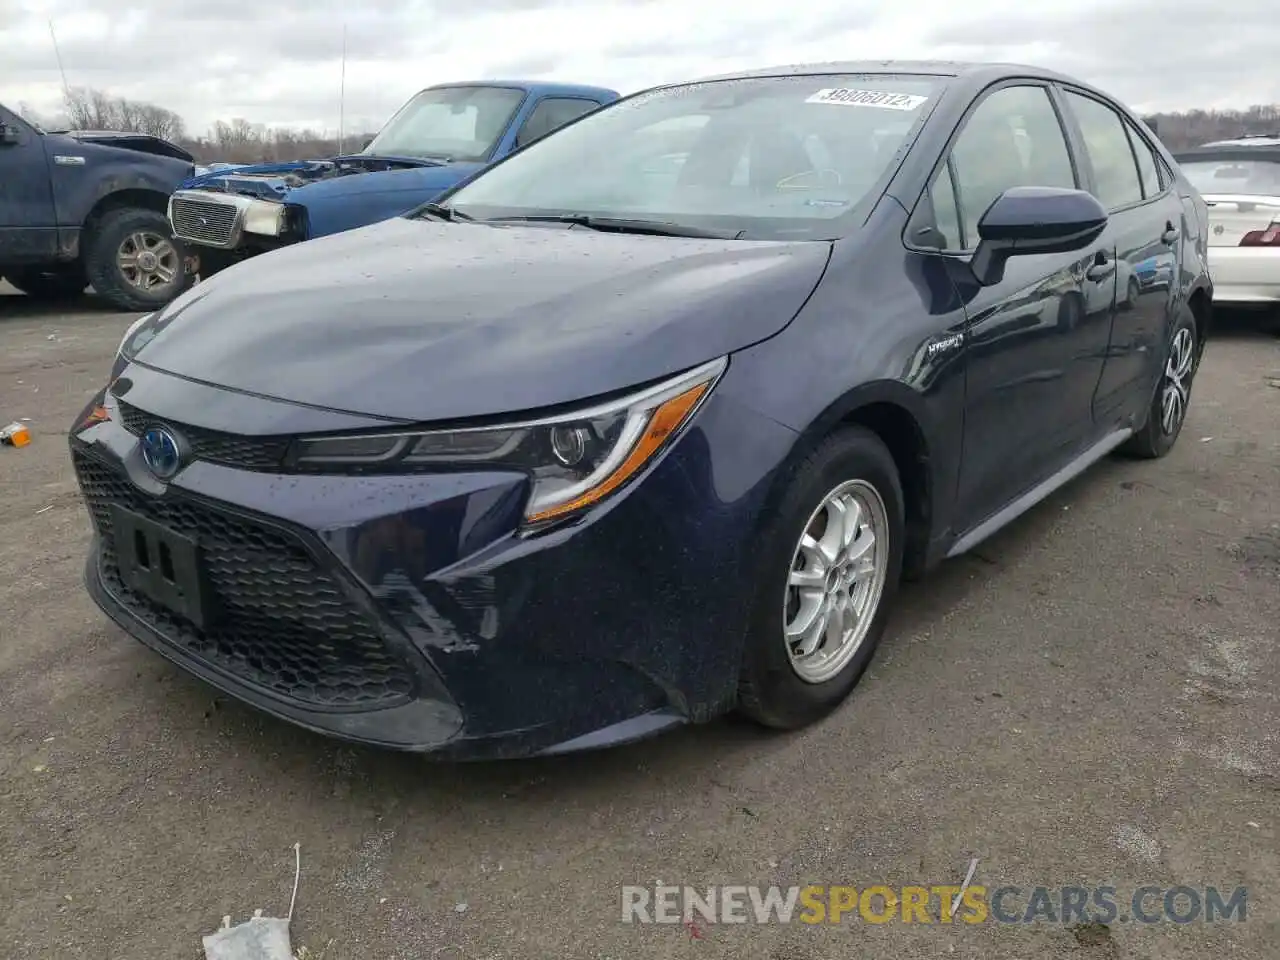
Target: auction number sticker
x,y
868,98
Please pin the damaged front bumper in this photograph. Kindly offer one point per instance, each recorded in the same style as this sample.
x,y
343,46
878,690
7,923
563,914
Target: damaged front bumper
x,y
400,611
232,222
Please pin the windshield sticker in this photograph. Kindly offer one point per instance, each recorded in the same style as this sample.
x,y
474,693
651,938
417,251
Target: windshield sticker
x,y
868,98
823,202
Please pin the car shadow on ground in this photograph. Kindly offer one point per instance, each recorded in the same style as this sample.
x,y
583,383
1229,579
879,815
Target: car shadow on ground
x,y
16,307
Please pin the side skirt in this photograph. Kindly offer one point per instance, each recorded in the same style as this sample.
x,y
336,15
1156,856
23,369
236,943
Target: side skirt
x,y
1026,501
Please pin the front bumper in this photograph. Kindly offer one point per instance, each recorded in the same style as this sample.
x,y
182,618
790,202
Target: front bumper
x,y
220,221
405,612
1245,275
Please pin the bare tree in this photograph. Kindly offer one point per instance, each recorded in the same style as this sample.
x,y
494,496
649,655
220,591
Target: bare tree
x,y
233,141
89,109
1195,127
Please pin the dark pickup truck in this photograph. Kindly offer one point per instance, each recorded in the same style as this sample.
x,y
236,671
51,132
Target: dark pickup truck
x,y
442,136
89,207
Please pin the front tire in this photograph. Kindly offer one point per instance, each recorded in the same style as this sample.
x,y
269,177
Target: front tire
x,y
830,564
133,260
1168,410
53,284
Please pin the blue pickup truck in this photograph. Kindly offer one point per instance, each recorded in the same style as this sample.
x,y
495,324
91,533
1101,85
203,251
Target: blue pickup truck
x,y
81,207
440,137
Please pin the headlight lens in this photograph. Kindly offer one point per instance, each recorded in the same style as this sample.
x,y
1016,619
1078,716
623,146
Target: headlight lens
x,y
126,348
574,459
264,217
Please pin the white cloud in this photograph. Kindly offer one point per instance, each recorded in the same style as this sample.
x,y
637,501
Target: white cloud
x,y
280,63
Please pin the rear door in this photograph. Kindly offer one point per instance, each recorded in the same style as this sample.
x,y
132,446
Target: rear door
x,y
1145,227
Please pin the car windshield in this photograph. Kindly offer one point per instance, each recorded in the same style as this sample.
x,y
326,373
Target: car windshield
x,y
448,123
1259,178
763,158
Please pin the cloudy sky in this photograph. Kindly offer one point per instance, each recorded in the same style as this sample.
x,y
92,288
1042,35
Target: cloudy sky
x,y
279,62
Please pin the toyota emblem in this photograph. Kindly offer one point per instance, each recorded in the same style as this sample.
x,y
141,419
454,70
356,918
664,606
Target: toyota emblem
x,y
161,452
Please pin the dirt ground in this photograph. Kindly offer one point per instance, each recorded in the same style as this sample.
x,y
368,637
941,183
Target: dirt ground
x,y
1090,699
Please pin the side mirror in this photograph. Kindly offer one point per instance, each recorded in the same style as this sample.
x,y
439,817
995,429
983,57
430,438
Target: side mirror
x,y
365,146
1025,221
9,136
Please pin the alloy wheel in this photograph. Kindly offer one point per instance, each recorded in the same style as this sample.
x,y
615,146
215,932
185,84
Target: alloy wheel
x,y
837,577
148,261
1176,389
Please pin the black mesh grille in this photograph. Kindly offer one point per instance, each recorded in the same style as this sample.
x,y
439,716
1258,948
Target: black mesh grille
x,y
284,624
232,450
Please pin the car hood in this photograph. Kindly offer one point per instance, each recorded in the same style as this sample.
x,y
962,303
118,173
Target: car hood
x,y
298,181
137,142
420,320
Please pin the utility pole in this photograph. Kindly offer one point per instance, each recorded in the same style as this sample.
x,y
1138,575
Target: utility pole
x,y
342,92
66,90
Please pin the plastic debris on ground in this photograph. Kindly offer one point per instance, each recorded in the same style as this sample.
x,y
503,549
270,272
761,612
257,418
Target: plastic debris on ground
x,y
15,435
259,937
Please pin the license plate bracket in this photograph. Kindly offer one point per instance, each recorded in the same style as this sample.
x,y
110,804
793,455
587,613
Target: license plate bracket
x,y
161,564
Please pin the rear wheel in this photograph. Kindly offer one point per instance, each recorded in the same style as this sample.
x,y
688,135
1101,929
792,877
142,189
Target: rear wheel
x,y
1168,409
830,564
51,284
134,261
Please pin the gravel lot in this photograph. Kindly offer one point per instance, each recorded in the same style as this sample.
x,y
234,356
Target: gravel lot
x,y
1091,699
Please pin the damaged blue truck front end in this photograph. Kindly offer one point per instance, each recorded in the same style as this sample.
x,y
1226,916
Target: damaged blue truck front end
x,y
442,136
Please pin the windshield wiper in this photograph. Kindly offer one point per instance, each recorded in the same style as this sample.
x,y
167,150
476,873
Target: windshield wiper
x,y
656,228
441,212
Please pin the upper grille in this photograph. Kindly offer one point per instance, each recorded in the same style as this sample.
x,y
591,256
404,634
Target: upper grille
x,y
214,446
211,222
283,624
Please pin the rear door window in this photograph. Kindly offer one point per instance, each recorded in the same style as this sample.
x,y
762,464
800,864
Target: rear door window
x,y
1115,170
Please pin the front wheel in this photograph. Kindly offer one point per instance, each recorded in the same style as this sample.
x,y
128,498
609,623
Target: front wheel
x,y
829,568
1168,410
134,262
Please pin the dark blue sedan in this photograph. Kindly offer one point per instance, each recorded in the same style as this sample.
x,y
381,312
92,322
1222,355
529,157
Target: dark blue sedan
x,y
646,422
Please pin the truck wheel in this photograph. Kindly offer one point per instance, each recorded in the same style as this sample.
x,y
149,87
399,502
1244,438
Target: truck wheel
x,y
134,261
60,282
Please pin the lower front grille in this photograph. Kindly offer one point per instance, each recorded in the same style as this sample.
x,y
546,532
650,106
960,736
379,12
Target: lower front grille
x,y
211,222
284,625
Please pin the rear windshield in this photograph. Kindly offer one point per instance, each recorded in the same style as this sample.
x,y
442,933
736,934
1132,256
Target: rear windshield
x,y
772,158
1248,177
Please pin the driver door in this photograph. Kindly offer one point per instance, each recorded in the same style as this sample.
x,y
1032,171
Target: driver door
x,y
28,224
1036,341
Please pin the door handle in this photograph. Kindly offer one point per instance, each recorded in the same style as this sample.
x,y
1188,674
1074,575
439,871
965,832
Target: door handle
x,y
1170,235
1101,268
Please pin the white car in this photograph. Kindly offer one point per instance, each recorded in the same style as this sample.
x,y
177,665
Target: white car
x,y
1240,181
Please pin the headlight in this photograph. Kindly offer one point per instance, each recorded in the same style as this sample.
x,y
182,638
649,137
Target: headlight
x,y
264,217
574,459
127,349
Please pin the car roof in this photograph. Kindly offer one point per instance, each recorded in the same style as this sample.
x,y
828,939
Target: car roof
x,y
538,87
1248,140
969,70
1230,150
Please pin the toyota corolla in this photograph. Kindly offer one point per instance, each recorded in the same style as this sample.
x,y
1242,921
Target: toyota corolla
x,y
646,422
